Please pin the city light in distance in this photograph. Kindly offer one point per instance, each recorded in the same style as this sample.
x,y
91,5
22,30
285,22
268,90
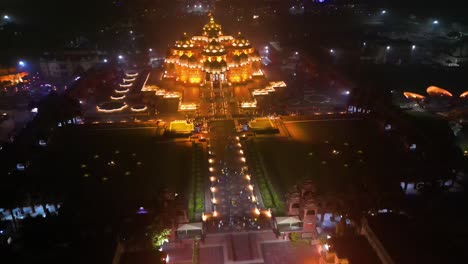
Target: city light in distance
x,y
105,60
435,22
384,12
332,51
21,63
388,47
120,57
6,17
413,47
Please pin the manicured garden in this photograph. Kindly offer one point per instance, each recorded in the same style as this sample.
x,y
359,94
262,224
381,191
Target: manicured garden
x,y
261,179
196,201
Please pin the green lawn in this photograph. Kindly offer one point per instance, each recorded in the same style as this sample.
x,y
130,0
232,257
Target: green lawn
x,y
362,161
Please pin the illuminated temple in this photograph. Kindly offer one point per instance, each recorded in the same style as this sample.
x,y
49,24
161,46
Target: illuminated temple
x,y
212,56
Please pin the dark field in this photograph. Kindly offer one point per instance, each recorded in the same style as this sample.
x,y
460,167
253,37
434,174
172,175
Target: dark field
x,y
340,156
121,169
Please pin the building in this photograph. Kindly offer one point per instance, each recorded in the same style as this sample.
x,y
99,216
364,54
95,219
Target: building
x,y
212,56
11,76
67,63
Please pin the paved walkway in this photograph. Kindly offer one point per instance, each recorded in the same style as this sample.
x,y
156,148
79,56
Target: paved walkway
x,y
243,248
232,195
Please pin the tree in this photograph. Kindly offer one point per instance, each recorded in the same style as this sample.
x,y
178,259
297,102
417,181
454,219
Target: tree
x,y
159,237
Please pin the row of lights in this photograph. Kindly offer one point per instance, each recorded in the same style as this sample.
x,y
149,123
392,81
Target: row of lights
x,y
250,186
434,22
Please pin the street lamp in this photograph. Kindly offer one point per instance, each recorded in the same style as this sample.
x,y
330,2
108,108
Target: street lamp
x,y
413,47
387,48
21,63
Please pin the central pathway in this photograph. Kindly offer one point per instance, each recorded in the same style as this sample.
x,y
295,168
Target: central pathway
x,y
234,204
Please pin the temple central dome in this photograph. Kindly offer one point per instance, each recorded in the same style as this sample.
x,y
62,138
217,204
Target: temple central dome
x,y
212,29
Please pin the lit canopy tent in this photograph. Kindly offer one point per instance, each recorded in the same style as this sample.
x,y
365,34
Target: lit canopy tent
x,y
437,91
464,95
189,230
415,96
288,223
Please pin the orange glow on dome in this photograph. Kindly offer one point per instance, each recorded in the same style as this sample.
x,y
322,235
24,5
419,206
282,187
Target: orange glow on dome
x,y
212,56
411,95
464,94
436,91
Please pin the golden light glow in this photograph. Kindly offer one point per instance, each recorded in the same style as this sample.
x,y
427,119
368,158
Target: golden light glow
x,y
128,80
251,104
171,95
278,84
122,91
464,94
254,199
256,211
191,58
411,95
150,88
250,187
268,213
210,161
188,107
247,177
204,217
11,77
213,189
139,109
215,213
117,97
131,75
99,109
211,169
434,90
212,178
213,200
